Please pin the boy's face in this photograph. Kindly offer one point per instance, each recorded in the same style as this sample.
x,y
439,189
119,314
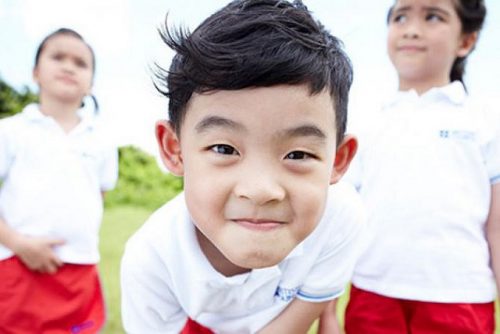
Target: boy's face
x,y
256,164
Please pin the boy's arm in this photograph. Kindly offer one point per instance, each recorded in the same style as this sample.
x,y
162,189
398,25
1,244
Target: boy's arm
x,y
493,231
328,322
36,253
297,318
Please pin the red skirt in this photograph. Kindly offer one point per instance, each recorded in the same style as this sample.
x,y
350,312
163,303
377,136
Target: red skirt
x,y
368,312
69,301
193,327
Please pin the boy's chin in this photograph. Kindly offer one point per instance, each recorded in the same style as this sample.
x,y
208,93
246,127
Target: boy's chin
x,y
257,259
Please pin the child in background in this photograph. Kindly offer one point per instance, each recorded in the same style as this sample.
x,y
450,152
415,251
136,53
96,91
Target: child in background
x,y
54,167
258,241
429,173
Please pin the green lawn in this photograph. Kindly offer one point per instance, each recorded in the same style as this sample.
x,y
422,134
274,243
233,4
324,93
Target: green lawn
x,y
119,223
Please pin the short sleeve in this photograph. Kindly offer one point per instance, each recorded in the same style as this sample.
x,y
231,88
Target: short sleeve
x,y
6,150
492,149
343,242
148,305
109,169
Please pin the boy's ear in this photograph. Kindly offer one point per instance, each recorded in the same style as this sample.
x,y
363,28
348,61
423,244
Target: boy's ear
x,y
170,147
468,42
344,155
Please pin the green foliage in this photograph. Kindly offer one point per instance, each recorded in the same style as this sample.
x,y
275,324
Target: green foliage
x,y
141,182
12,101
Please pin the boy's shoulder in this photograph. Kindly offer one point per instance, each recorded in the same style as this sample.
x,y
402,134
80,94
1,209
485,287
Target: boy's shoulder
x,y
162,234
343,218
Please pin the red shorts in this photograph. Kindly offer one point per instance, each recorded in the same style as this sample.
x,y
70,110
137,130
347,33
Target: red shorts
x,y
69,301
369,312
193,327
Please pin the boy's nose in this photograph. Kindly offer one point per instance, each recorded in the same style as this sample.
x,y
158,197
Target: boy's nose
x,y
260,187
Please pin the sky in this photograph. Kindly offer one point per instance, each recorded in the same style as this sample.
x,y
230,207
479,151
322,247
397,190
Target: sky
x,y
124,35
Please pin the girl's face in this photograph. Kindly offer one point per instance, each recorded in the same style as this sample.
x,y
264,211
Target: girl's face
x,y
64,71
425,37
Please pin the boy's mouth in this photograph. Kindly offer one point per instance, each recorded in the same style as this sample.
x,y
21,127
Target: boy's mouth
x,y
258,224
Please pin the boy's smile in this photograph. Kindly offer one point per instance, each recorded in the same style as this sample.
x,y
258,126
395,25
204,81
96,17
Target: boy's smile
x,y
256,163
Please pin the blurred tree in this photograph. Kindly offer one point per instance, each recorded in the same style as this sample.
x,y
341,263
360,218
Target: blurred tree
x,y
12,101
141,182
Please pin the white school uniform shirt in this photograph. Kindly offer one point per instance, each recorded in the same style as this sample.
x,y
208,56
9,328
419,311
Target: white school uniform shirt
x,y
52,182
165,277
425,171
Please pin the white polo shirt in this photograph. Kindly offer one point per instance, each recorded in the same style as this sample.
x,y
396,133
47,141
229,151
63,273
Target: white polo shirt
x,y
165,277
425,172
52,181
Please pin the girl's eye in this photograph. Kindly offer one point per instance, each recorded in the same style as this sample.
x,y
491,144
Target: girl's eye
x,y
223,149
57,56
433,17
298,155
81,63
400,18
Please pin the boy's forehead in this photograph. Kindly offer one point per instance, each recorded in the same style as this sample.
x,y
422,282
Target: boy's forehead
x,y
273,106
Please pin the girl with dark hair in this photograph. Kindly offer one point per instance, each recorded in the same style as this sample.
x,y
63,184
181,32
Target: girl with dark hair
x,y
429,173
54,166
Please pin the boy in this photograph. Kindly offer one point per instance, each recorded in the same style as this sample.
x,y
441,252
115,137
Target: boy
x,y
258,241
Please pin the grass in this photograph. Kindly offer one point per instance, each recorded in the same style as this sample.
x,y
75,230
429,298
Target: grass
x,y
119,223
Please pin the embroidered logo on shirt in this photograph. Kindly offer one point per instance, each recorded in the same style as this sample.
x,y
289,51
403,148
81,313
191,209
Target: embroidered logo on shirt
x,y
286,294
457,134
81,327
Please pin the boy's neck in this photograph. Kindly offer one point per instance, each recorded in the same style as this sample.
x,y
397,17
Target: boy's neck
x,y
216,258
65,114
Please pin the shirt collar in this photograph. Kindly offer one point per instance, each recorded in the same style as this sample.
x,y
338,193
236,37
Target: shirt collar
x,y
32,113
454,93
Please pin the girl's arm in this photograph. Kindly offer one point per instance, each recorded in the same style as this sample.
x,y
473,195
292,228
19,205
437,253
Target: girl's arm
x,y
297,318
493,232
36,253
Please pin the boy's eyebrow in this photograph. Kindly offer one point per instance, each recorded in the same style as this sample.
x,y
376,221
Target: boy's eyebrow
x,y
306,130
216,121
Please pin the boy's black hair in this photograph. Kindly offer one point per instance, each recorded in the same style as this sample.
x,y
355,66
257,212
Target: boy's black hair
x,y
471,14
255,43
70,32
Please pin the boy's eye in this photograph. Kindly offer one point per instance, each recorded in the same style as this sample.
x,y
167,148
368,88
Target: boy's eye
x,y
298,155
224,149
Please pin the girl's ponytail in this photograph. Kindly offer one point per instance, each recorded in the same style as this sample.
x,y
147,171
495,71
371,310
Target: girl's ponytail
x,y
472,14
